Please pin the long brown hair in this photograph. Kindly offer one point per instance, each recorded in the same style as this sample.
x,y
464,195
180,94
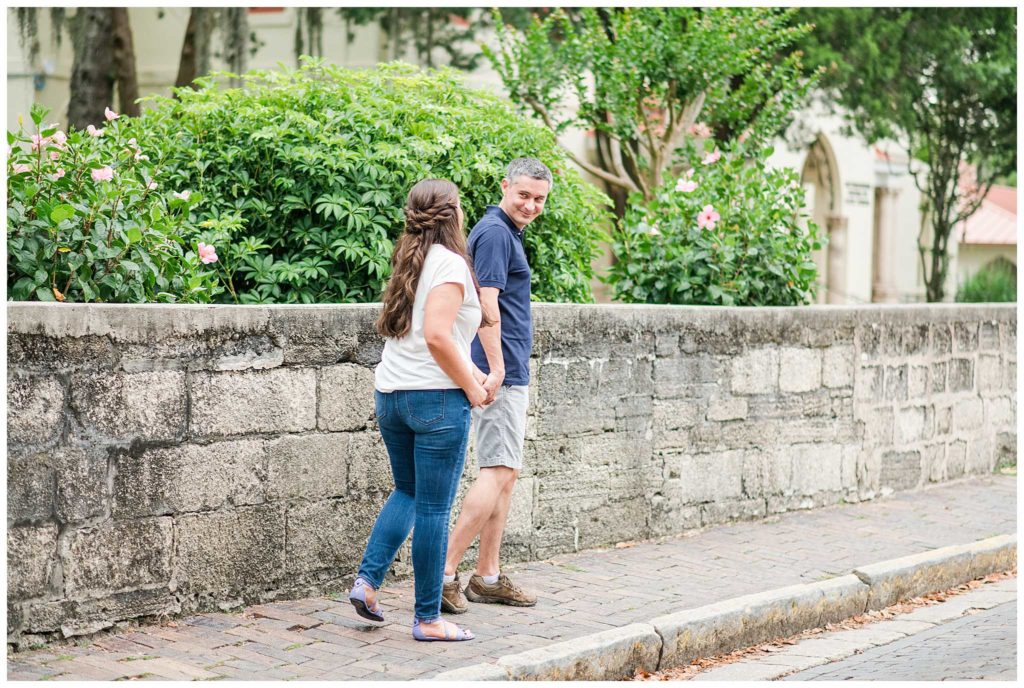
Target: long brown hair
x,y
431,217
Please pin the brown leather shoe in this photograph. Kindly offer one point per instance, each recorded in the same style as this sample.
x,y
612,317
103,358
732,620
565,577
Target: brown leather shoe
x,y
452,599
502,592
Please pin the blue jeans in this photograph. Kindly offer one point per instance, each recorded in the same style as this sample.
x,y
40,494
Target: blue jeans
x,y
426,432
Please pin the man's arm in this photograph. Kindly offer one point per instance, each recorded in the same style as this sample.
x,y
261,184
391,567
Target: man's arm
x,y
490,340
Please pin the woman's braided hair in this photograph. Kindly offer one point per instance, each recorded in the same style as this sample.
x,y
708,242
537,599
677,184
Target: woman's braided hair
x,y
431,217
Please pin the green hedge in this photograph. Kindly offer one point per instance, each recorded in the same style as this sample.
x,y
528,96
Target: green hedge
x,y
299,177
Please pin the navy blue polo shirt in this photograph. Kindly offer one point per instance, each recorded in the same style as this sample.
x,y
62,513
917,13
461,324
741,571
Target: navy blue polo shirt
x,y
499,260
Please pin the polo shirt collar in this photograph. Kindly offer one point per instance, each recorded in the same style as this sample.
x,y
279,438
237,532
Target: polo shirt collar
x,y
503,216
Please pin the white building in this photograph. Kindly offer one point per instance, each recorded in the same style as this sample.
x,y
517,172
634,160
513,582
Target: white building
x,y
861,196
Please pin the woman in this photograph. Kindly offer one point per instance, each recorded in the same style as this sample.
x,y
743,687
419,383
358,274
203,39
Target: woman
x,y
426,384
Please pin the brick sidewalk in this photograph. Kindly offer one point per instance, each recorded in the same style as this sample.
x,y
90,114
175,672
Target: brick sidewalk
x,y
320,638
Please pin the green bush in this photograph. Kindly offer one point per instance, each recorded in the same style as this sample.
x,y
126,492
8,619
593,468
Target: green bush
x,y
754,253
994,283
302,175
90,218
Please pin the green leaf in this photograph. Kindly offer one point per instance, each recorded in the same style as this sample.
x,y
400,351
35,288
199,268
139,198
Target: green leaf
x,y
62,212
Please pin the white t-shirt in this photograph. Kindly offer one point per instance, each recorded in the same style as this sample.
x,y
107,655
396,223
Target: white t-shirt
x,y
406,362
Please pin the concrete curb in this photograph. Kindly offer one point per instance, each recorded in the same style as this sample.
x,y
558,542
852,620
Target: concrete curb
x,y
677,639
918,574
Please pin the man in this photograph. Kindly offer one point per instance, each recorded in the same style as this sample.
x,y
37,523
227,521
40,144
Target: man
x,y
502,351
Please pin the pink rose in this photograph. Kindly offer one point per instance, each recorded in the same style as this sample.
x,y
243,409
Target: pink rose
x,y
93,131
59,139
58,174
700,129
707,217
103,174
685,185
20,168
183,195
207,254
712,157
110,114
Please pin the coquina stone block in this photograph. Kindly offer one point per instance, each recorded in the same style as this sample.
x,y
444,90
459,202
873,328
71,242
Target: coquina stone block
x,y
309,466
870,383
31,556
35,408
966,336
838,364
329,534
942,338
346,397
989,373
189,477
968,415
267,401
125,406
225,552
816,468
799,369
988,336
901,470
896,383
369,467
727,409
910,425
678,377
30,493
956,459
118,555
961,375
755,372
999,413
82,487
706,477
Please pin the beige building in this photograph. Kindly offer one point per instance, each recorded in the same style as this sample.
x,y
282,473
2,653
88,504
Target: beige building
x,y
862,196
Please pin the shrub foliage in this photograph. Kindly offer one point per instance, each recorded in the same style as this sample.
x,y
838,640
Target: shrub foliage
x,y
302,175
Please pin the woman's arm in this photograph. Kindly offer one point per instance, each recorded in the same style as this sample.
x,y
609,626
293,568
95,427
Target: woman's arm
x,y
442,306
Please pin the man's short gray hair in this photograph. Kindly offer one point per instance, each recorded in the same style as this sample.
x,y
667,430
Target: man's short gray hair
x,y
529,167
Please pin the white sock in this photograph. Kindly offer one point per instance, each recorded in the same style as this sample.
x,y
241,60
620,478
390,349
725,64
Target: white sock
x,y
491,580
449,579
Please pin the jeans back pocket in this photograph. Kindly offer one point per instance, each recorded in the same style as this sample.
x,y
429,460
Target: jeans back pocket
x,y
426,406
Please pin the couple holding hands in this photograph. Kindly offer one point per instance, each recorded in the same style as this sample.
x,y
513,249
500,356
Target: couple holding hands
x,y
458,330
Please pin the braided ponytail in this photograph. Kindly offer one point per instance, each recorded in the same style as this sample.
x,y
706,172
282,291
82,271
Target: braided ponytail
x,y
431,217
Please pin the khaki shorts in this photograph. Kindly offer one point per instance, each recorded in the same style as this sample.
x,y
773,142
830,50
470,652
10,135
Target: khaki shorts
x,y
501,428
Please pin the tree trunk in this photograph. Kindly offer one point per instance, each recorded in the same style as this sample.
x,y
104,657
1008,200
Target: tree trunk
x,y
187,62
92,72
124,63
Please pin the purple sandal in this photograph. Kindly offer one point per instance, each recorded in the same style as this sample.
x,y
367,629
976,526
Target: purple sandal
x,y
358,599
461,633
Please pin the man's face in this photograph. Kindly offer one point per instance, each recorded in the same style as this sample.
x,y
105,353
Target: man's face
x,y
523,199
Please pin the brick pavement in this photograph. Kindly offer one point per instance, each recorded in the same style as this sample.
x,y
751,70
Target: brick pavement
x,y
981,646
579,594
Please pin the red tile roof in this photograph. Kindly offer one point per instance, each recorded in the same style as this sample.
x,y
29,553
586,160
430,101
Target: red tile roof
x,y
995,222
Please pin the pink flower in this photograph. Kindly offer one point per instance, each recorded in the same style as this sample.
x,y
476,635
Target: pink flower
x,y
685,185
151,186
707,217
59,139
207,254
58,174
20,168
54,155
38,141
744,136
712,157
689,173
103,174
182,195
110,114
93,131
700,129
139,155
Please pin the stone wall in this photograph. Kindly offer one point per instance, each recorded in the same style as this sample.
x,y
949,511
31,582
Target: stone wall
x,y
166,459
